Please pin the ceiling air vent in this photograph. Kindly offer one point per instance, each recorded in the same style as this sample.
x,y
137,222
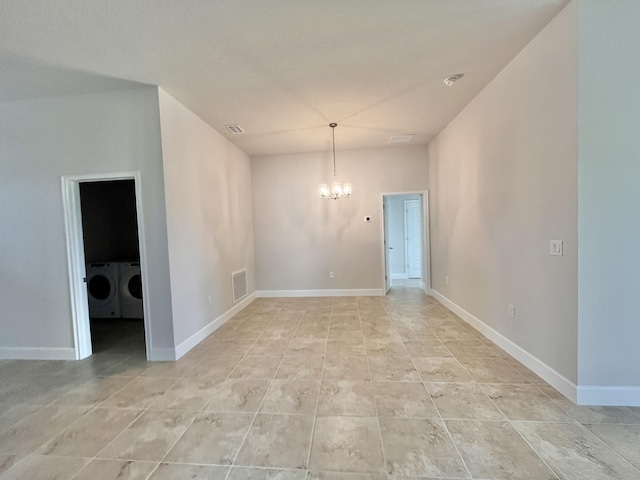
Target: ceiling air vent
x,y
401,138
234,128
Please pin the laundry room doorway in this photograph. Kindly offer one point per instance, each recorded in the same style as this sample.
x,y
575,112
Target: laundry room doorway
x,y
106,263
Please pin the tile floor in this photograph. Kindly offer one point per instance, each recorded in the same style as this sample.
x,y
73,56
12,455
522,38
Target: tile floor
x,y
374,388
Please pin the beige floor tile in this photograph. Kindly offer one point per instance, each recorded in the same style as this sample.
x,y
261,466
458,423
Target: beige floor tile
x,y
168,369
491,370
469,348
36,429
346,368
238,395
278,441
420,447
140,393
313,346
8,461
344,476
496,450
524,402
83,439
389,348
399,399
243,473
94,391
256,367
624,439
176,471
346,397
10,414
116,470
300,366
586,414
346,346
463,401
347,444
575,453
224,430
441,369
392,369
214,367
291,396
234,346
190,395
426,348
36,467
268,346
149,437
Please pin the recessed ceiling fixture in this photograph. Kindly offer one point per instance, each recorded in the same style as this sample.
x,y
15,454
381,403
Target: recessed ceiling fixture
x,y
338,190
234,128
451,80
401,138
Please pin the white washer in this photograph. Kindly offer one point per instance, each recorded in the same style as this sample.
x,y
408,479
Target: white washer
x,y
102,290
131,290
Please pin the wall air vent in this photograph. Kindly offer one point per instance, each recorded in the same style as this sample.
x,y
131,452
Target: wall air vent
x,y
239,280
401,138
234,128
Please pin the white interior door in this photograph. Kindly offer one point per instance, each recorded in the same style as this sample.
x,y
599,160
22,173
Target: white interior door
x,y
387,269
413,227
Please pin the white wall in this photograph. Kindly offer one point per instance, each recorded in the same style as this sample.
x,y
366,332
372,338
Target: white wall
x,y
609,200
209,219
40,141
300,238
503,183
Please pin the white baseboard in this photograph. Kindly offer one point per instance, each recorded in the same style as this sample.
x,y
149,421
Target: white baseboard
x,y
399,276
28,353
204,332
544,371
424,288
373,292
166,354
608,395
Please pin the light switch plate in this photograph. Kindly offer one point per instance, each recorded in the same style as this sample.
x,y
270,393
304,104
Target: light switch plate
x,y
555,248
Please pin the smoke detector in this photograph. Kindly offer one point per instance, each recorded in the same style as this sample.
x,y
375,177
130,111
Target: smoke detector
x,y
451,80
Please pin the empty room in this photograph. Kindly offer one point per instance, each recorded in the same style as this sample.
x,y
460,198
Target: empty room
x,y
319,240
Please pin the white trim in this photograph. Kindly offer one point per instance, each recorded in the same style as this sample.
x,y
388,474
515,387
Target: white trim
x,y
207,330
37,353
609,395
163,354
371,292
399,276
76,259
423,286
544,371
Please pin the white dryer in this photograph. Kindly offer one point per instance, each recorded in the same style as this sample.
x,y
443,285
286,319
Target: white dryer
x,y
131,290
102,290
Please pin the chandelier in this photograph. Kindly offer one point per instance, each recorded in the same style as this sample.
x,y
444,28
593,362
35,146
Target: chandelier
x,y
338,190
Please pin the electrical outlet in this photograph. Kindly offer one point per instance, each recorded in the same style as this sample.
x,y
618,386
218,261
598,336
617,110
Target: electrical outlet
x,y
331,275
446,280
512,311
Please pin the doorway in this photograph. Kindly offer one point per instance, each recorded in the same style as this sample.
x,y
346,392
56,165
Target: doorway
x,y
106,263
405,240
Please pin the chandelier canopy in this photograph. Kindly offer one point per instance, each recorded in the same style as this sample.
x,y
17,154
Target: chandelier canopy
x,y
338,190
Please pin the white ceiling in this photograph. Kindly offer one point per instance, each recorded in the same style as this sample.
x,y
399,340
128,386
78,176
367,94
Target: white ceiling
x,y
282,69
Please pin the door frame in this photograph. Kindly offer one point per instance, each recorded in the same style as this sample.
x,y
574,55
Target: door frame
x,y
76,258
425,283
